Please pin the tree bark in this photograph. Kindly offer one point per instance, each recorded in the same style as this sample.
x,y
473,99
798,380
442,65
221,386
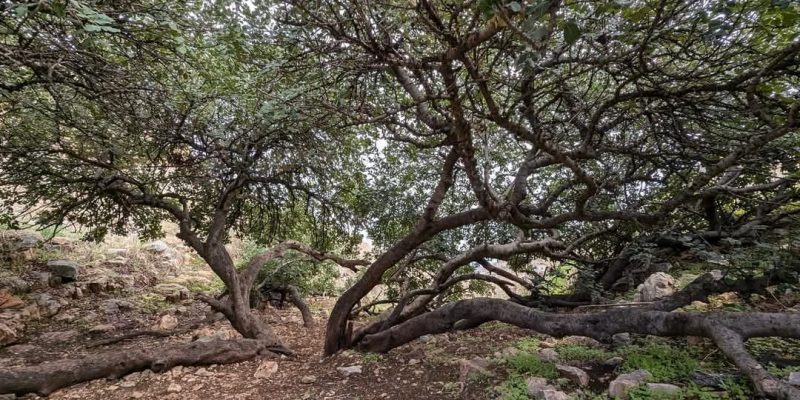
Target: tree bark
x,y
48,377
728,330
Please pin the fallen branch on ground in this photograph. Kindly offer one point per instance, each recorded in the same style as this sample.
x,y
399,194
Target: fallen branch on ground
x,y
728,330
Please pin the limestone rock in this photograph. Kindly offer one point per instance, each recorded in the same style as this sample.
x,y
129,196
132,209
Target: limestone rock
x,y
655,287
625,382
158,246
114,306
174,388
7,334
621,339
266,369
172,292
8,301
15,241
308,379
15,284
475,367
167,322
581,341
575,375
65,269
351,370
794,379
665,389
539,389
548,355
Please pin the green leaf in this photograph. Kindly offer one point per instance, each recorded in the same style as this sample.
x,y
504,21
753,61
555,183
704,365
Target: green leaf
x,y
21,10
514,6
571,32
92,28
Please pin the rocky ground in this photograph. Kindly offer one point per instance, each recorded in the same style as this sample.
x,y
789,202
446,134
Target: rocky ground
x,y
61,298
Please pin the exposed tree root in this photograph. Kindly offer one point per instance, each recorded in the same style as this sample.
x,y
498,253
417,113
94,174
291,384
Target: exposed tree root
x,y
727,330
48,377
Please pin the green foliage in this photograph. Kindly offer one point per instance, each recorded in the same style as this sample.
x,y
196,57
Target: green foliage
x,y
528,345
665,362
309,276
371,358
152,303
569,352
514,388
531,365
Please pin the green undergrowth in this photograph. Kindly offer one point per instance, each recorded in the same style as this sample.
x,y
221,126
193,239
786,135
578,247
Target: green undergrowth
x,y
666,363
531,365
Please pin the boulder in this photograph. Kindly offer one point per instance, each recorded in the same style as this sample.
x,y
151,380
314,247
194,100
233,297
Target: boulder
x,y
351,370
266,369
619,386
65,269
575,375
655,287
16,241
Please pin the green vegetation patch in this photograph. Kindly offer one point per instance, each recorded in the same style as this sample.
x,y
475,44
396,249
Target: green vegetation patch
x,y
665,362
532,365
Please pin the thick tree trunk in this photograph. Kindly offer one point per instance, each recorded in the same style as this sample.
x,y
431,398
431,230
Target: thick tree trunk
x,y
48,377
728,330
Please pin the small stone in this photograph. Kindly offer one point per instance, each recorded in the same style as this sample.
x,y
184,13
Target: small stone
x,y
621,339
664,389
656,286
114,306
174,388
308,379
203,372
548,355
425,338
575,375
539,389
267,369
351,370
167,322
625,382
413,361
614,361
137,395
476,366
159,246
581,341
127,384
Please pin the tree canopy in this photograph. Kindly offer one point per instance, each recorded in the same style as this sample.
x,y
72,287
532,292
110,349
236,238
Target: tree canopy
x,y
599,136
